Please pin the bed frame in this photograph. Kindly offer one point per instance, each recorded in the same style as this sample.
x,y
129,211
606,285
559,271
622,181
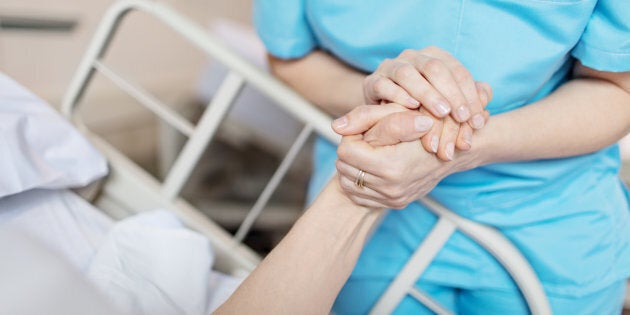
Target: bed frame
x,y
129,189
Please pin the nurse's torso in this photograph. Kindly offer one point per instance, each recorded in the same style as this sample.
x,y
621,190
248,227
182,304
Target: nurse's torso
x,y
520,47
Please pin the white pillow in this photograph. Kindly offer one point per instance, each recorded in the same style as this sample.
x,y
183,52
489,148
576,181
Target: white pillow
x,y
38,147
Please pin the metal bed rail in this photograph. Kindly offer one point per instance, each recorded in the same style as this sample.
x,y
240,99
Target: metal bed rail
x,y
242,72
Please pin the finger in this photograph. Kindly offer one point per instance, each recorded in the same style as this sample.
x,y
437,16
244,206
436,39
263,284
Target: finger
x,y
438,74
446,149
469,88
358,153
407,76
362,118
464,138
367,192
485,93
465,82
377,88
348,181
399,127
431,140
351,189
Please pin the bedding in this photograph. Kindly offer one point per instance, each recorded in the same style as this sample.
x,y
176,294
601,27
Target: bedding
x,y
146,264
149,263
38,147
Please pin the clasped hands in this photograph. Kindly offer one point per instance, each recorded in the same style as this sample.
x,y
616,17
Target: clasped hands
x,y
421,111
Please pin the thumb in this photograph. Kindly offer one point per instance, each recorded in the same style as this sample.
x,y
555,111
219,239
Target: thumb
x,y
363,117
399,127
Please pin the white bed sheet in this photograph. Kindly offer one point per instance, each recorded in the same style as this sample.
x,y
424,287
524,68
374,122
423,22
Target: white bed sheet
x,y
147,264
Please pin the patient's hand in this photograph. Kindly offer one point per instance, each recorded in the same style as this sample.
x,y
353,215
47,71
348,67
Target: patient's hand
x,y
397,169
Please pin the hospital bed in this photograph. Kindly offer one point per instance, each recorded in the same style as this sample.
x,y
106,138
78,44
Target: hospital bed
x,y
128,189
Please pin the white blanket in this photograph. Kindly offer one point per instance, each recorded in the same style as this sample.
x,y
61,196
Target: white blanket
x,y
146,264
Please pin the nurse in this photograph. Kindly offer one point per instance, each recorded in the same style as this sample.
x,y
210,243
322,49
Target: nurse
x,y
543,169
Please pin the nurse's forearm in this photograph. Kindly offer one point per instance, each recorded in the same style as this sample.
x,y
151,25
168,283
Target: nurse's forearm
x,y
306,271
582,116
323,80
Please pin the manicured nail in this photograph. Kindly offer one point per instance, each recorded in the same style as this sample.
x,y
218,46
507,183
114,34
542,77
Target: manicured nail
x,y
463,113
442,108
434,143
422,123
413,102
450,150
478,122
340,122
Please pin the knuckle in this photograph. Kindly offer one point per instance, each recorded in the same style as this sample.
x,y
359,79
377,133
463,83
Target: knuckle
x,y
385,64
362,112
431,49
395,129
461,74
346,185
434,67
404,71
452,128
400,205
391,192
389,174
379,86
407,53
368,81
343,152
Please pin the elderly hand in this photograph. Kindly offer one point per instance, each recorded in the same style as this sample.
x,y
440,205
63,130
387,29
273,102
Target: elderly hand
x,y
397,171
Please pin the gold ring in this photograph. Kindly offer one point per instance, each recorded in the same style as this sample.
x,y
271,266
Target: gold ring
x,y
360,180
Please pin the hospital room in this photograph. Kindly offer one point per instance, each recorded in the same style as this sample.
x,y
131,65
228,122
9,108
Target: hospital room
x,y
314,157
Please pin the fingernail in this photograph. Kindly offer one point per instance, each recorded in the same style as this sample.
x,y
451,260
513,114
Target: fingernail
x,y
463,113
442,108
434,143
450,150
467,136
413,102
478,122
423,123
340,122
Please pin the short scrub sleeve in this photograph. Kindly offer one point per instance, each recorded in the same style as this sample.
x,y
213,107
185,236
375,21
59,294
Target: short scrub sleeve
x,y
283,27
605,43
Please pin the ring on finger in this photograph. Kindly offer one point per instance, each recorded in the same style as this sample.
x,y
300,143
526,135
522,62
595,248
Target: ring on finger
x,y
360,179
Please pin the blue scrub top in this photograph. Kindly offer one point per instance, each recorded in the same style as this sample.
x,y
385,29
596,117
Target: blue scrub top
x,y
568,216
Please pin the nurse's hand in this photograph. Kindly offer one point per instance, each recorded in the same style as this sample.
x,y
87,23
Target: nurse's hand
x,y
430,77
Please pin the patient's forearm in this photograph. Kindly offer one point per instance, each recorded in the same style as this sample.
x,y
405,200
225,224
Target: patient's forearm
x,y
306,271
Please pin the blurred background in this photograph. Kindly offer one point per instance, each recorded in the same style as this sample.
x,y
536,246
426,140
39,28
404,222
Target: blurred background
x,y
41,44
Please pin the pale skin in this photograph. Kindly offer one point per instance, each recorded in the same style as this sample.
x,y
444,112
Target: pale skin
x,y
429,79
586,114
566,123
306,271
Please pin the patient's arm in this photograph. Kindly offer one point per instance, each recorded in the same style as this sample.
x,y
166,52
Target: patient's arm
x,y
306,271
